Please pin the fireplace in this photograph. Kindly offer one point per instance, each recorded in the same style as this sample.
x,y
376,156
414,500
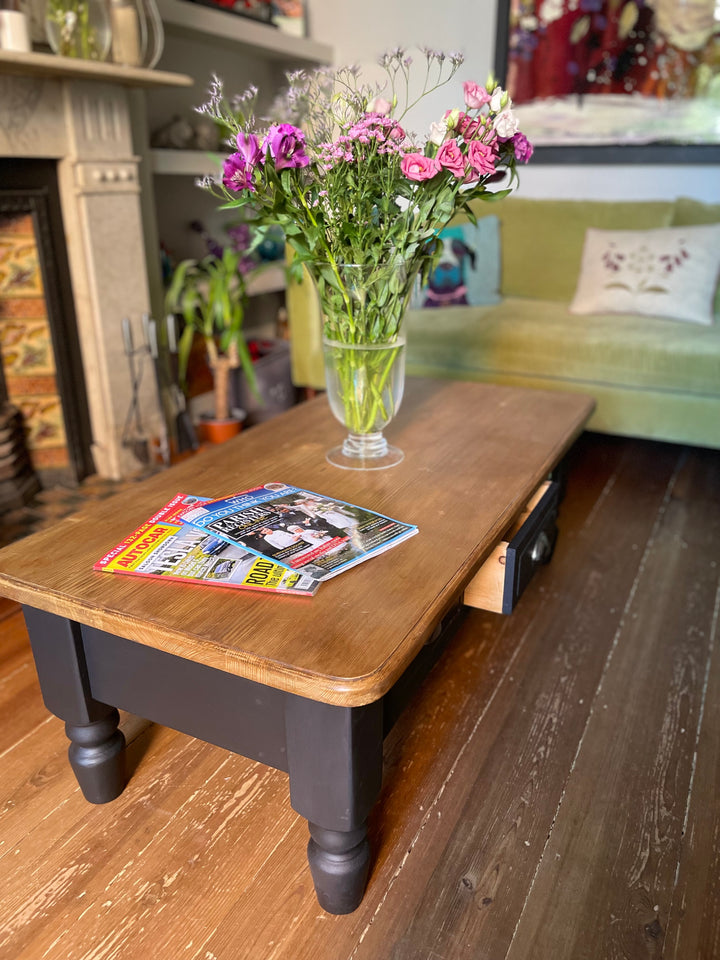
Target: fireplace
x,y
40,352
69,125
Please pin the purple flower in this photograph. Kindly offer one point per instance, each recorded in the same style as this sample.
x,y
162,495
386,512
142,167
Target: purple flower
x,y
522,147
238,173
286,145
249,147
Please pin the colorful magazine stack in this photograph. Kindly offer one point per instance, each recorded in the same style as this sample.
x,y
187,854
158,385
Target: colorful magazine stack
x,y
276,537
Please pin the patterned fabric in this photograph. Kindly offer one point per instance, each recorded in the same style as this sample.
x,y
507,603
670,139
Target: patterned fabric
x,y
468,272
669,273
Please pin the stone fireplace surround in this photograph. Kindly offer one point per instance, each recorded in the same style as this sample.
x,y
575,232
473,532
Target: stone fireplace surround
x,y
80,114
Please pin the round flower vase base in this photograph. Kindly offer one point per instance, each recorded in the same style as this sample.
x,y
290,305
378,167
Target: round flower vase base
x,y
365,452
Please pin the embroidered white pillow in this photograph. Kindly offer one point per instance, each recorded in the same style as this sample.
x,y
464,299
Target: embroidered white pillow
x,y
671,272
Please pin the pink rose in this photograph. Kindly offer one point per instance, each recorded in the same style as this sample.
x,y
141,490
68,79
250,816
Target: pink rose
x,y
481,157
450,157
381,106
418,167
475,95
468,127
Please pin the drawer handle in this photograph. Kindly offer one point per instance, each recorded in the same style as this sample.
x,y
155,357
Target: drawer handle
x,y
542,549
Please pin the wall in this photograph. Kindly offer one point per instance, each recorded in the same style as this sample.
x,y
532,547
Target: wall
x,y
361,32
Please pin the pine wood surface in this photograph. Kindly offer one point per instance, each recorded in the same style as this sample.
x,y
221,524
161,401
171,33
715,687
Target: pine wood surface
x,y
463,481
550,792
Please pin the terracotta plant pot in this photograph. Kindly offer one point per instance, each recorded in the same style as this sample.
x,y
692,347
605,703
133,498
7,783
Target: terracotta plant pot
x,y
218,431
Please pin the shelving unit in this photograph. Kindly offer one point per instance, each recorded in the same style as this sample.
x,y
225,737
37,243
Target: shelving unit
x,y
51,65
203,42
186,163
244,34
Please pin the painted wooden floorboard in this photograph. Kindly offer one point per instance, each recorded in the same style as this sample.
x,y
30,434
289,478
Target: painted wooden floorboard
x,y
553,783
504,803
606,881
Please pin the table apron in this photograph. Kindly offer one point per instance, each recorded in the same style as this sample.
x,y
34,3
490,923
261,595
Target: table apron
x,y
333,754
218,707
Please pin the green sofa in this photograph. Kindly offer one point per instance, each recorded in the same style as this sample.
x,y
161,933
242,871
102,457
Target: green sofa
x,y
650,377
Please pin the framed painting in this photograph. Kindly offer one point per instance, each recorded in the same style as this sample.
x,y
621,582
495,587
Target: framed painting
x,y
613,81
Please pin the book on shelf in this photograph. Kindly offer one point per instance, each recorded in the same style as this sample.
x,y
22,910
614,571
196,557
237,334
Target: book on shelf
x,y
303,531
165,547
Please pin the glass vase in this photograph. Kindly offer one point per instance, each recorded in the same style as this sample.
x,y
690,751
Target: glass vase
x,y
365,384
137,32
362,307
78,28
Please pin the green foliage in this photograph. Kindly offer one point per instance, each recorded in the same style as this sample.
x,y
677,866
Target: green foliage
x,y
211,297
358,219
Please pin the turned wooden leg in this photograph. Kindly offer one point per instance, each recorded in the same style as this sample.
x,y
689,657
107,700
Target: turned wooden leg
x,y
97,747
339,864
335,765
97,757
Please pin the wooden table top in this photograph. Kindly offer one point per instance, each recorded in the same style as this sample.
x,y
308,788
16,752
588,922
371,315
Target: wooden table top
x,y
474,453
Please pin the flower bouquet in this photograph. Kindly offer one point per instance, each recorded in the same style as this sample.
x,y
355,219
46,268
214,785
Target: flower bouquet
x,y
361,201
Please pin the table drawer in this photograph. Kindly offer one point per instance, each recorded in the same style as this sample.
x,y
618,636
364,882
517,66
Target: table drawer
x,y
500,581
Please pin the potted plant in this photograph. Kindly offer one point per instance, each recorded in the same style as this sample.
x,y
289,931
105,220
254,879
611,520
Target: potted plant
x,y
210,295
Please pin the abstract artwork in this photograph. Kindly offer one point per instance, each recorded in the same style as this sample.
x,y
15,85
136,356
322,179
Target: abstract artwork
x,y
613,71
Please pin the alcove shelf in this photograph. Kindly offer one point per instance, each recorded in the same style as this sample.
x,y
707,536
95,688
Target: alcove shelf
x,y
183,17
20,64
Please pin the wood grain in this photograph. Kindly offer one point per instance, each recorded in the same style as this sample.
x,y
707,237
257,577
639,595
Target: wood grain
x,y
474,455
612,858
585,725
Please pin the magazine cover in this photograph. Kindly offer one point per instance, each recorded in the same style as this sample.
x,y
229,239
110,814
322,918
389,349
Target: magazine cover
x,y
300,530
165,547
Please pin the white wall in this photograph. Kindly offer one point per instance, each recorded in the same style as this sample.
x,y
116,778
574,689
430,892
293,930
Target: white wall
x,y
360,32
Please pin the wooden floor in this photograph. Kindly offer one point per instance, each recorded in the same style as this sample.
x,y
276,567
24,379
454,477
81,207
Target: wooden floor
x,y
552,793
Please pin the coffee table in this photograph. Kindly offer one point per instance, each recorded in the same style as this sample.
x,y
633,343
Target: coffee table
x,y
309,685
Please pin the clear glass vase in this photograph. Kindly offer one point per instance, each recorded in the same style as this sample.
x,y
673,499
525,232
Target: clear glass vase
x,y
362,307
137,32
365,384
78,28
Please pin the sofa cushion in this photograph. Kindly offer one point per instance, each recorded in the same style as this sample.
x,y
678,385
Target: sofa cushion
x,y
469,268
671,272
542,338
542,240
689,213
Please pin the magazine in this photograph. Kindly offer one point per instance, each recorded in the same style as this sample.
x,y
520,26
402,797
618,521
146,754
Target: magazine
x,y
301,530
165,547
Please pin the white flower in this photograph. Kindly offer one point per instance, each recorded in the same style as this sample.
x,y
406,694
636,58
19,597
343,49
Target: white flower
x,y
500,100
438,132
506,124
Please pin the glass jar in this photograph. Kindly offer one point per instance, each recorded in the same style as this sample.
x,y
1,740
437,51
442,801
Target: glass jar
x,y
137,32
78,28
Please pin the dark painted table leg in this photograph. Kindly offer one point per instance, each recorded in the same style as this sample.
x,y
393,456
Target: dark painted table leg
x,y
335,765
97,747
97,756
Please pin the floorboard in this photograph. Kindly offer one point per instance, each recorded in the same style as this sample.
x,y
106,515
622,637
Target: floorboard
x,y
550,793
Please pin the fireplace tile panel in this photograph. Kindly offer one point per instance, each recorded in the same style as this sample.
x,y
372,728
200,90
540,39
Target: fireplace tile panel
x,y
25,343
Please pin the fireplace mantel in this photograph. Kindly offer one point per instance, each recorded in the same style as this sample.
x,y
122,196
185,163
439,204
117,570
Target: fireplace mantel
x,y
79,114
18,63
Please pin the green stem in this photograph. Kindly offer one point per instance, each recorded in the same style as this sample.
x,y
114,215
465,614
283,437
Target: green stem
x,y
331,259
